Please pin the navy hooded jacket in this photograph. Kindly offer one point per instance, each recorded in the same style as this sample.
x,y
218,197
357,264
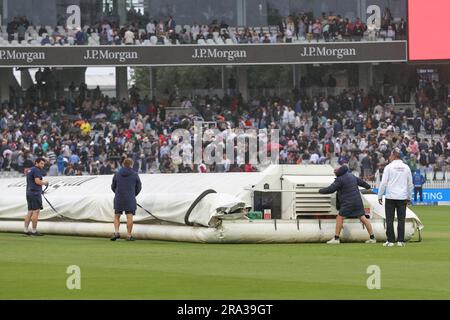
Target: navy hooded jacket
x,y
126,185
348,195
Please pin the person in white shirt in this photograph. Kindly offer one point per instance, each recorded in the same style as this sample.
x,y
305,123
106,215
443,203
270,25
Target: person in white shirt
x,y
398,186
391,33
285,116
106,26
372,31
110,35
378,108
129,37
161,26
291,116
288,35
205,31
132,125
314,158
151,28
195,30
363,144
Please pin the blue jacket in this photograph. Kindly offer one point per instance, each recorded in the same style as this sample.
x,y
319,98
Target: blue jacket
x,y
126,185
348,200
418,179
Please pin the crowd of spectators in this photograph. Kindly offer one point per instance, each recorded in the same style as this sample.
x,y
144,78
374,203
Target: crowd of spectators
x,y
301,27
332,27
90,133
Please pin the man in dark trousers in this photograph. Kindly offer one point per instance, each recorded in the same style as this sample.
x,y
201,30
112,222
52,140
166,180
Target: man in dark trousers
x,y
348,201
418,180
34,196
398,186
126,185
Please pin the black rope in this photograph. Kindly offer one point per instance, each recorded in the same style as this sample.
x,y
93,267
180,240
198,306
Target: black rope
x,y
53,208
148,212
194,204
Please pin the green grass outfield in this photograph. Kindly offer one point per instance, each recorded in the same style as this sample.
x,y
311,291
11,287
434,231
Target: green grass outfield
x,y
35,268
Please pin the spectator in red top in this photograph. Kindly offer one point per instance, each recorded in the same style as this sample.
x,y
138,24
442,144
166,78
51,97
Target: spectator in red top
x,y
348,29
128,134
162,139
359,29
202,168
152,110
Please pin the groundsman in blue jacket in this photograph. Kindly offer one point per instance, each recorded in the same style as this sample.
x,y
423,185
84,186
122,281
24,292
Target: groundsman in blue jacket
x,y
348,201
126,185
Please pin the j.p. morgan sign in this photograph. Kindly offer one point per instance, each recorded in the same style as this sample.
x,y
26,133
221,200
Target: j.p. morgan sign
x,y
394,51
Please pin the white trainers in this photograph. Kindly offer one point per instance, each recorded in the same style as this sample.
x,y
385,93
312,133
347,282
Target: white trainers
x,y
388,244
334,241
401,244
371,241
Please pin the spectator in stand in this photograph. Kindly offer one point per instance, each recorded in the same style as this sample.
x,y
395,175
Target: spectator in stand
x,y
418,181
171,24
81,37
372,31
390,33
53,170
402,30
129,37
46,41
317,30
358,29
348,30
386,19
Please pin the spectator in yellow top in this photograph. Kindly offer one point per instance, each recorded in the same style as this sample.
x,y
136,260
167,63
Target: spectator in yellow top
x,y
85,128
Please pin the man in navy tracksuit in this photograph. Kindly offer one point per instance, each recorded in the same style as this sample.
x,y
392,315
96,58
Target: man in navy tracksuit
x,y
348,200
126,185
418,181
34,196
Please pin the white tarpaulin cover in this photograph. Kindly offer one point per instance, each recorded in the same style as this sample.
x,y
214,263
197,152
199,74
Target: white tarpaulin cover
x,y
378,210
167,196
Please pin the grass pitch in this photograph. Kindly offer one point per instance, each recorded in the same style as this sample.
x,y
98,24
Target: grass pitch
x,y
35,268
